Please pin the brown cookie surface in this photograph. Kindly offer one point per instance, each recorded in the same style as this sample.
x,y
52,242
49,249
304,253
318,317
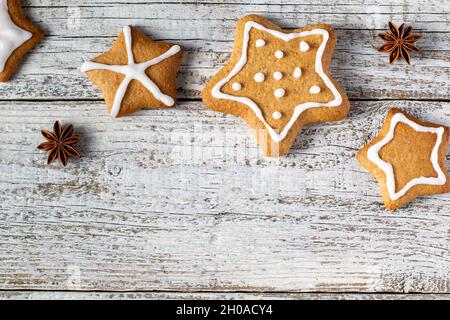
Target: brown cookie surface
x,y
407,158
17,36
136,73
277,81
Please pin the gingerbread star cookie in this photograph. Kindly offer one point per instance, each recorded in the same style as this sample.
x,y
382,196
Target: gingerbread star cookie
x,y
136,73
407,158
277,81
17,37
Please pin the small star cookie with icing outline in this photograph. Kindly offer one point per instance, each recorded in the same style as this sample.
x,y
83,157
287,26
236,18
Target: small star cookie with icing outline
x,y
277,81
136,73
407,158
17,37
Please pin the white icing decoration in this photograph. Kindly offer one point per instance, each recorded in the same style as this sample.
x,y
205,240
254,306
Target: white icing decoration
x,y
314,89
279,93
217,93
277,115
297,73
236,86
279,54
11,36
134,71
304,46
373,155
259,77
277,75
260,43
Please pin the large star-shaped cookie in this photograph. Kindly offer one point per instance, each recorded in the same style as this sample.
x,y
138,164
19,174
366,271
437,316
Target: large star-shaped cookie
x,y
136,73
277,81
17,37
407,158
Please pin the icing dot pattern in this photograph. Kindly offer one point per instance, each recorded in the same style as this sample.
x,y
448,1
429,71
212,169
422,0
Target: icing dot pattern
x,y
260,43
279,54
236,86
297,73
279,93
260,77
277,75
277,115
304,46
314,90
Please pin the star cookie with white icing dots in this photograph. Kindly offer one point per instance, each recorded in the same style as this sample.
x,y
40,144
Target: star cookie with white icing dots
x,y
278,81
136,73
17,37
407,158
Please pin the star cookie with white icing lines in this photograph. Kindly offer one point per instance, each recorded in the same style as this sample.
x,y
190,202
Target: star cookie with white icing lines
x,y
136,73
17,37
407,158
278,81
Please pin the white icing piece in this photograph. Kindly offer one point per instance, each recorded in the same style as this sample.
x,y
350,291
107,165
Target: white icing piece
x,y
314,89
260,77
279,54
304,46
297,73
277,75
373,155
277,115
236,86
277,137
134,71
260,43
11,36
279,93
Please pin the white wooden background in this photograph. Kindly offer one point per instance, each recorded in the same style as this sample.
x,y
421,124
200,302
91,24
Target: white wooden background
x,y
179,203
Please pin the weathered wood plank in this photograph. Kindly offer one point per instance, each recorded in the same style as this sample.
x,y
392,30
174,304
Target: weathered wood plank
x,y
79,31
181,200
218,9
52,295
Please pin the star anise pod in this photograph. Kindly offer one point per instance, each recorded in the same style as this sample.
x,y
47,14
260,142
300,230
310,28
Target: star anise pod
x,y
60,143
400,42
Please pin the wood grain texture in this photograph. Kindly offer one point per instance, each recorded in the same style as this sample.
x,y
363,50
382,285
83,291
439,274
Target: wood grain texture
x,y
76,295
180,203
181,199
206,29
